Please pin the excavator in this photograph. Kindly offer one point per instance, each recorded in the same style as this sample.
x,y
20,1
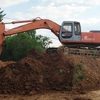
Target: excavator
x,y
69,34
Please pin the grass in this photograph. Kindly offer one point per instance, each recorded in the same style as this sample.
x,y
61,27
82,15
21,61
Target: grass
x,y
79,73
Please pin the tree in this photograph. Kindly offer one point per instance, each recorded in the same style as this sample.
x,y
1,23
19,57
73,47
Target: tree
x,y
18,45
1,14
44,40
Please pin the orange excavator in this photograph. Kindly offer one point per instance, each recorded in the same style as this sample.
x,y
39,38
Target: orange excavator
x,y
69,34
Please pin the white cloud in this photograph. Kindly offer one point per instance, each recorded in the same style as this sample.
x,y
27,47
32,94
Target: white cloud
x,y
57,12
6,3
91,20
92,2
19,15
88,2
90,24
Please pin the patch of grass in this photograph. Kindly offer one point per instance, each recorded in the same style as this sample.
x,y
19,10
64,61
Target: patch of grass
x,y
79,73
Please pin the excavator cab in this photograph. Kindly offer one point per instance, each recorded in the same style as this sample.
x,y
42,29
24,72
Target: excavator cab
x,y
70,30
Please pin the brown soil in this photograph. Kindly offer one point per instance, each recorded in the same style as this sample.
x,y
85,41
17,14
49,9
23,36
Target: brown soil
x,y
2,64
36,72
39,72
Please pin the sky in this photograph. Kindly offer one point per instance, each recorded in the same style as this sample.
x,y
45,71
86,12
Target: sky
x,y
84,11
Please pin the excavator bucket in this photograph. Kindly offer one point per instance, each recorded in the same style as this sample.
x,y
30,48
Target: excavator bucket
x,y
2,37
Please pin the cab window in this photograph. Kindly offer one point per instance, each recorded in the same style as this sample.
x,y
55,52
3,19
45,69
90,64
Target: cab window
x,y
67,30
77,29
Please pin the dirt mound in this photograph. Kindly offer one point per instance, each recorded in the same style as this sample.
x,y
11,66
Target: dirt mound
x,y
86,74
37,72
43,72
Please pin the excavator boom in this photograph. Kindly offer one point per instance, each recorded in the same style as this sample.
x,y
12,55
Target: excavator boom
x,y
34,24
30,25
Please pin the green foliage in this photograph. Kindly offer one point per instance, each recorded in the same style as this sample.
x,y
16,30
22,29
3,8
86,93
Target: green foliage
x,y
82,76
18,45
79,73
1,14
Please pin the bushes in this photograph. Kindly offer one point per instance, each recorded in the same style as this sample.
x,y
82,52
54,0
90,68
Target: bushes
x,y
18,45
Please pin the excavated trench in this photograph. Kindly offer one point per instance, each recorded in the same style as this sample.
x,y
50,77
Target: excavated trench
x,y
42,72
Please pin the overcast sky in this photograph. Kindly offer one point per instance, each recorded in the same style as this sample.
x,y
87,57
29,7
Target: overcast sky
x,y
87,12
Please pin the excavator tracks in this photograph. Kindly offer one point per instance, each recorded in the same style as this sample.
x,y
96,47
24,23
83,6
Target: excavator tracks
x,y
83,52
75,51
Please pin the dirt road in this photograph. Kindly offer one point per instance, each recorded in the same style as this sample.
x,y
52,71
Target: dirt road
x,y
93,95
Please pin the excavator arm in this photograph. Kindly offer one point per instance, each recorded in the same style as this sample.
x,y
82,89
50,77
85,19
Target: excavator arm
x,y
30,25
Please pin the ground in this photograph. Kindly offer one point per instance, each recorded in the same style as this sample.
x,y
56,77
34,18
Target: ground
x,y
40,76
92,95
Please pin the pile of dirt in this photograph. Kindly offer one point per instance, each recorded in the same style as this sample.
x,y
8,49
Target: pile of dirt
x,y
42,72
86,74
37,72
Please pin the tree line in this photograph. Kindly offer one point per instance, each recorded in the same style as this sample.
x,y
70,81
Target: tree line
x,y
18,45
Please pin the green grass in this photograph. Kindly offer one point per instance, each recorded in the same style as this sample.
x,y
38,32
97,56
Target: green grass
x,y
79,73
